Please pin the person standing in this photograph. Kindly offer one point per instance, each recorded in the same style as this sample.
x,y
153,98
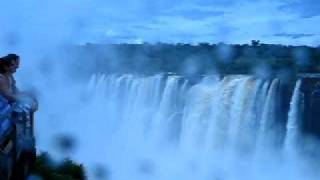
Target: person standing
x,y
9,93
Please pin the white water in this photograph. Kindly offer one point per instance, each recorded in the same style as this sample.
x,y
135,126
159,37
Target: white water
x,y
294,120
163,128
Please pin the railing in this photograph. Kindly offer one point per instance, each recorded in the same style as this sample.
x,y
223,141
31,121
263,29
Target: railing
x,y
17,146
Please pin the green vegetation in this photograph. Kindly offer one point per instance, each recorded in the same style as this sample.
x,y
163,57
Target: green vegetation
x,y
187,59
67,170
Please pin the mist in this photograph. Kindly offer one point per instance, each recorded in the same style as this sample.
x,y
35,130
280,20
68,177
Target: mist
x,y
124,124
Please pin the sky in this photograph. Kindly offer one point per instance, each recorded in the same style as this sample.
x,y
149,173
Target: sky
x,y
137,21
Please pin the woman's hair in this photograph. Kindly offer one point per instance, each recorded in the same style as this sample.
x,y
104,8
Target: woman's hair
x,y
12,57
6,61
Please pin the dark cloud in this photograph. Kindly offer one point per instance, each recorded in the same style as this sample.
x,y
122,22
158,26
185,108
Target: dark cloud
x,y
306,8
197,14
120,38
142,27
187,36
294,35
216,2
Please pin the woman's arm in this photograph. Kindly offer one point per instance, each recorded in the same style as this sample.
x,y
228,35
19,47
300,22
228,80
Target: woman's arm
x,y
20,95
4,90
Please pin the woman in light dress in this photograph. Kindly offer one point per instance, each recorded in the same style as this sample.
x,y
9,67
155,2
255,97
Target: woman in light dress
x,y
9,93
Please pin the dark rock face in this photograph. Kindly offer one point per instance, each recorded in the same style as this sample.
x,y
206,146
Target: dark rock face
x,y
310,89
309,99
285,91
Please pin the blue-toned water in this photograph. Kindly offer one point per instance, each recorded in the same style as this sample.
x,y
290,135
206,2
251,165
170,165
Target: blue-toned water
x,y
164,127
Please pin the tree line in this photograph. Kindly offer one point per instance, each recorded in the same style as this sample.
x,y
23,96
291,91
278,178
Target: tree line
x,y
203,58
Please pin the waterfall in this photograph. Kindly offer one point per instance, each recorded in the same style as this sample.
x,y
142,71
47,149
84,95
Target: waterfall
x,y
236,110
170,126
294,120
267,134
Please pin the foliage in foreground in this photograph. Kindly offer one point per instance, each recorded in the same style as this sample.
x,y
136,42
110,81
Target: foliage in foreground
x,y
45,169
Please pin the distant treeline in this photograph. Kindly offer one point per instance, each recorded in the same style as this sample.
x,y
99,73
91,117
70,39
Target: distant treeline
x,y
190,59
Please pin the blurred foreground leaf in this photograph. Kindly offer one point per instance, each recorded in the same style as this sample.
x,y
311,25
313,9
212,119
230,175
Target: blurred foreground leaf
x,y
67,170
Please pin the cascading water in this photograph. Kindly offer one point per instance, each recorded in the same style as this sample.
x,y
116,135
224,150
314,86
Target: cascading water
x,y
294,121
267,123
165,128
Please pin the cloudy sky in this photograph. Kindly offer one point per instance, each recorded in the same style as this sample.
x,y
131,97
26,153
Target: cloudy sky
x,y
185,21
